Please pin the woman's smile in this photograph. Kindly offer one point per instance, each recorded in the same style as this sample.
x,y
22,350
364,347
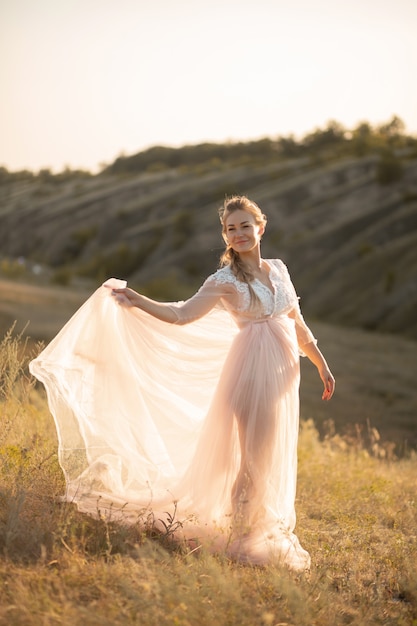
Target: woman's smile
x,y
242,230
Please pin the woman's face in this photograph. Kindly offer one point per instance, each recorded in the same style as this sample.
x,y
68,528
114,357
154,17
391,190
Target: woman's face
x,y
242,232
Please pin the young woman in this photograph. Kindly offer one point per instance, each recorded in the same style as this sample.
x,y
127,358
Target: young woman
x,y
152,409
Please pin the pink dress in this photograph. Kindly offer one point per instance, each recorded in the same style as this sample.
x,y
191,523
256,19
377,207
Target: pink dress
x,y
201,414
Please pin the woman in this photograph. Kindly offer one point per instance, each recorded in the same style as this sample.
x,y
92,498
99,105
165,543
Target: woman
x,y
205,415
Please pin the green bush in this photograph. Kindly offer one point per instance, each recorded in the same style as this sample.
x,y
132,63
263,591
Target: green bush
x,y
122,261
77,242
62,276
390,279
365,248
11,268
168,288
183,225
389,169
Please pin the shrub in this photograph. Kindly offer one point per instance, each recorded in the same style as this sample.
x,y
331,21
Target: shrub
x,y
182,228
389,168
62,276
120,262
12,268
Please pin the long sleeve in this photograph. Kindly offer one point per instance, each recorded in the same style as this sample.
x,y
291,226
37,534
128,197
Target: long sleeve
x,y
304,334
207,297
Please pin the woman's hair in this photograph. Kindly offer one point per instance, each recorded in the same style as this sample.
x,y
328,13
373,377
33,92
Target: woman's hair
x,y
229,256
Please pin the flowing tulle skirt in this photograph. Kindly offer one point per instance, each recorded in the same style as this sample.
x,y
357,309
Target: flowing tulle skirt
x,y
199,419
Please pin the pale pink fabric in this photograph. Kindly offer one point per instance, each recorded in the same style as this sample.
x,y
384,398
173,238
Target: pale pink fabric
x,y
203,414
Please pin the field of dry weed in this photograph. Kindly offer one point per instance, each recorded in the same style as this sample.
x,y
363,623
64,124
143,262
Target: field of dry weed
x,y
357,516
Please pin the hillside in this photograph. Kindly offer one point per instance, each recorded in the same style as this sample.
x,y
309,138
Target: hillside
x,y
350,241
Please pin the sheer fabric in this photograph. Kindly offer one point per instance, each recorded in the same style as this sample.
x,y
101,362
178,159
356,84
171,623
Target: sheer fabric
x,y
198,418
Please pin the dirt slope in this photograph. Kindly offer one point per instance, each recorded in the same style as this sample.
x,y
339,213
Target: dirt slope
x,y
350,243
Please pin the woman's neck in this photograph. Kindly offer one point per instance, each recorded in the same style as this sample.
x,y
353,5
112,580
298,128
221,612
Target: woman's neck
x,y
252,261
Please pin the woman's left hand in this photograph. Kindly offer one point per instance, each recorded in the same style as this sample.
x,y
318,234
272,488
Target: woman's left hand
x,y
328,382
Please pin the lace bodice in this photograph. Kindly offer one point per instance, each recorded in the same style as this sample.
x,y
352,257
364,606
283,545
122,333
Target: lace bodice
x,y
276,302
223,289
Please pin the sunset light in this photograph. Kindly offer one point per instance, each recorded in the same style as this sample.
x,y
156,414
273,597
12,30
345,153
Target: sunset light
x,y
85,80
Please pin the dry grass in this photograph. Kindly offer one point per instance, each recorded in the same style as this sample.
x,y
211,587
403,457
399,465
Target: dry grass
x,y
357,515
41,310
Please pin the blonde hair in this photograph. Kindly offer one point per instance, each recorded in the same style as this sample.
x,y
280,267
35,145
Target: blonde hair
x,y
229,256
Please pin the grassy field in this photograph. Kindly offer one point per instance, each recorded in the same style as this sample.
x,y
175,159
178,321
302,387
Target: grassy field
x,y
357,515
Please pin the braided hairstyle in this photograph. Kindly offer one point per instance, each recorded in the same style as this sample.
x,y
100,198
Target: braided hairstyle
x,y
229,256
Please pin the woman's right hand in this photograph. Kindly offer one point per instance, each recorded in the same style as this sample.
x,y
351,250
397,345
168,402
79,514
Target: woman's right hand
x,y
125,296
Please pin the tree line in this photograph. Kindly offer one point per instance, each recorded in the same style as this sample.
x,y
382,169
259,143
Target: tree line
x,y
332,141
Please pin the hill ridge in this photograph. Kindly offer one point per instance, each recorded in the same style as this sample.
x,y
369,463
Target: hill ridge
x,y
348,240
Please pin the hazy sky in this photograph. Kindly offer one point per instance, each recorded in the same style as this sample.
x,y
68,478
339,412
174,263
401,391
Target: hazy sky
x,y
84,80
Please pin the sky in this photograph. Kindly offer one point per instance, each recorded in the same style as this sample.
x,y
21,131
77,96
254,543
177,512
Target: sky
x,y
84,81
